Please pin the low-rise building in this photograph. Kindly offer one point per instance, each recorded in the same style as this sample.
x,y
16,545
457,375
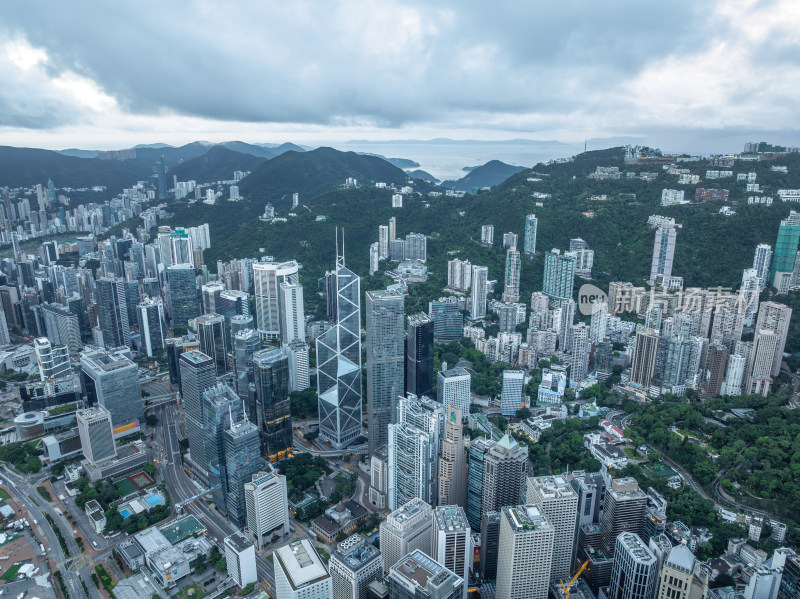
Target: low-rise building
x,y
97,517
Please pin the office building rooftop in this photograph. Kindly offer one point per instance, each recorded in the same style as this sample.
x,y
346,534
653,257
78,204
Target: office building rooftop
x,y
524,518
450,518
301,564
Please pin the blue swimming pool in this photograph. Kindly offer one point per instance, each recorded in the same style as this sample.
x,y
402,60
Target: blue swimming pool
x,y
154,500
125,514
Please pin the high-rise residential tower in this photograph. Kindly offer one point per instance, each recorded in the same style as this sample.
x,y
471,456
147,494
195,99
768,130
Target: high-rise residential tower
x,y
529,242
663,253
785,251
513,273
480,277
559,275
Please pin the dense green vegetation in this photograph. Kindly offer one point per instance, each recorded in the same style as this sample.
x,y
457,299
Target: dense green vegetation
x,y
759,456
485,375
301,472
304,404
22,456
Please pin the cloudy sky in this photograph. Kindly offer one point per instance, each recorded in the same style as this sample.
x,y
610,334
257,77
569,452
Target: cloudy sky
x,y
681,74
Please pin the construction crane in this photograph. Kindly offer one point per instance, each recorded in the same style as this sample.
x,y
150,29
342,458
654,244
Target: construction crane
x,y
566,588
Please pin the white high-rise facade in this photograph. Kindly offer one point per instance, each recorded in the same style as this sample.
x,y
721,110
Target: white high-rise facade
x,y
292,314
459,274
762,262
267,279
267,506
383,242
599,323
487,234
580,353
525,553
556,498
529,241
480,276
300,572
240,555
374,258
453,389
452,541
734,374
354,563
511,396
513,273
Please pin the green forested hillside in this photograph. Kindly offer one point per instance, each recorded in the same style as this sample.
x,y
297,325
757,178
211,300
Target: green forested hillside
x,y
218,164
490,174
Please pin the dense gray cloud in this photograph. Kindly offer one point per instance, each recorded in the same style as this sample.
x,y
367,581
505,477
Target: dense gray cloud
x,y
612,67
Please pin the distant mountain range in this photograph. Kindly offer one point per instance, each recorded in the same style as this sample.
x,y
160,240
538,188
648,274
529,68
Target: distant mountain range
x,y
420,174
312,173
218,164
490,174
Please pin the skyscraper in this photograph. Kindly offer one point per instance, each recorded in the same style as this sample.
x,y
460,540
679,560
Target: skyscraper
x,y
478,449
762,262
213,340
419,355
529,243
513,273
459,274
663,253
243,460
406,529
677,579
300,572
526,547
96,433
162,179
292,315
111,379
420,577
62,326
644,358
273,407
487,234
775,317
354,563
412,464
504,471
385,362
580,353
267,506
240,555
452,463
183,300
717,359
453,389
150,315
558,501
559,275
221,408
490,544
785,251
267,279
112,313
511,394
623,511
297,352
448,323
339,363
452,543
634,574
53,360
197,374
480,276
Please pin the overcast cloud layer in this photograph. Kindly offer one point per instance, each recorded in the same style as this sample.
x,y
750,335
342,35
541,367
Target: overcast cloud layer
x,y
114,74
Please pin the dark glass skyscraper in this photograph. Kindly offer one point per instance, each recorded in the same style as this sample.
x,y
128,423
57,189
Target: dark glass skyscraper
x,y
213,340
162,179
271,379
243,460
419,355
221,408
385,349
184,302
112,311
197,375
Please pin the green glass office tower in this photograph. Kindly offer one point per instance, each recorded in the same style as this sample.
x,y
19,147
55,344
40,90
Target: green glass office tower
x,y
785,251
